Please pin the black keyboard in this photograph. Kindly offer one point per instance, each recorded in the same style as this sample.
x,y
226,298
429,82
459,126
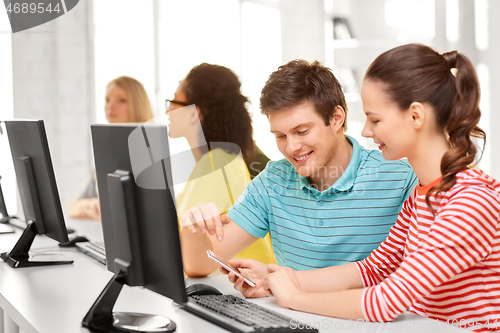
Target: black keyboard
x,y
238,315
93,249
98,247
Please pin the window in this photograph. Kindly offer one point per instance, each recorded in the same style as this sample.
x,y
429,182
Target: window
x,y
124,46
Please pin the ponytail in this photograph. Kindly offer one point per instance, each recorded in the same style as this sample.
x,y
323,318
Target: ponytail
x,y
448,82
462,124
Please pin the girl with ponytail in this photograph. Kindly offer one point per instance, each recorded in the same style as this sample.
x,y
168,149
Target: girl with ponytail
x,y
442,257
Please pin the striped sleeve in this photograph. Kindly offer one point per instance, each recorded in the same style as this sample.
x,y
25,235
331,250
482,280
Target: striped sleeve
x,y
388,256
410,183
461,235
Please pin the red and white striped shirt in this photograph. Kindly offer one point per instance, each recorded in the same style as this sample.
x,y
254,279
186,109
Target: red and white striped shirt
x,y
444,267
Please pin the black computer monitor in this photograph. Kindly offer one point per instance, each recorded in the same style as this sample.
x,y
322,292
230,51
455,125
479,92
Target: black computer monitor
x,y
139,221
37,188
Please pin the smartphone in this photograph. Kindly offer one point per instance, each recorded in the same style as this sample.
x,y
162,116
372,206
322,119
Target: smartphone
x,y
226,265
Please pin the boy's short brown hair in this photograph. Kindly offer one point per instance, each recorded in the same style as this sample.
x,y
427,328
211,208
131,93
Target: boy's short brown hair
x,y
299,81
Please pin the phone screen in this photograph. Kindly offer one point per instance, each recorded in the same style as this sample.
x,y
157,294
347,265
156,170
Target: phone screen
x,y
228,267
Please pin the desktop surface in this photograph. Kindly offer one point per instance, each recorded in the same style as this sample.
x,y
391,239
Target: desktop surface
x,y
55,299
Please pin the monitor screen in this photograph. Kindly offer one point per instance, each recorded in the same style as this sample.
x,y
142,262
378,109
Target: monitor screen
x,y
37,185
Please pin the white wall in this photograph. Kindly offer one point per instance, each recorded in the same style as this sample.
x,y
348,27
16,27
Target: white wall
x,y
53,80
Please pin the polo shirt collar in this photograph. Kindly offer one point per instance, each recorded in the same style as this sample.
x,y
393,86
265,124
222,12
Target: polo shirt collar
x,y
304,183
346,181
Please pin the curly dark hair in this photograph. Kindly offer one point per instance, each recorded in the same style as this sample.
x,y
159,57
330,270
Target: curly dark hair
x,y
223,114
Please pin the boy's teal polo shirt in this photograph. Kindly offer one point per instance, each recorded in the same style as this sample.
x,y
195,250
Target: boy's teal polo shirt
x,y
313,229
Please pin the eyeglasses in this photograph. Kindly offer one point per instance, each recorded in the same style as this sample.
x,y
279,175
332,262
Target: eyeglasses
x,y
169,102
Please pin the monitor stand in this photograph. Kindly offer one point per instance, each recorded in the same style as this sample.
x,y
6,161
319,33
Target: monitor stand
x,y
101,317
19,256
4,220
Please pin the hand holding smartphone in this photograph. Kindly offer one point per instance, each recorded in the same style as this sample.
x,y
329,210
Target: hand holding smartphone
x,y
229,268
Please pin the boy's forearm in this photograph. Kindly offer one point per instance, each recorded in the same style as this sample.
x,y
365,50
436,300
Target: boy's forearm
x,y
194,248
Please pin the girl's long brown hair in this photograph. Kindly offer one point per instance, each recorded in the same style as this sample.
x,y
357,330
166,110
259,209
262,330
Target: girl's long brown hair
x,y
448,82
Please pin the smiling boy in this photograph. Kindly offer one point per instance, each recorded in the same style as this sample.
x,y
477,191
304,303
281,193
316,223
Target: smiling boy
x,y
329,202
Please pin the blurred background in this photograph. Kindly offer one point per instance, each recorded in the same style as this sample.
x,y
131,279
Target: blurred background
x,y
58,71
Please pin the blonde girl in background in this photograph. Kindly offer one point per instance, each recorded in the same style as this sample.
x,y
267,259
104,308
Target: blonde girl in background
x,y
126,102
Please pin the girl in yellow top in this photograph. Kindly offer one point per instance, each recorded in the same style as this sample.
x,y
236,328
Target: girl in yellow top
x,y
209,110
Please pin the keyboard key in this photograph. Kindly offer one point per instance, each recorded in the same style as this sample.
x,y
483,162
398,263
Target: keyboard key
x,y
256,317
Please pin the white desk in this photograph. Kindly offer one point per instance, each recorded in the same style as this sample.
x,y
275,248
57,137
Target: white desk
x,y
54,299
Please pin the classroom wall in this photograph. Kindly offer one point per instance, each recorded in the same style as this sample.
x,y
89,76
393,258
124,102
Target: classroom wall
x,y
53,78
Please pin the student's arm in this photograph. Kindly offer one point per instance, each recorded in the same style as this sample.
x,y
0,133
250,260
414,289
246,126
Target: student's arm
x,y
330,278
345,304
318,280
283,284
87,205
195,245
226,237
85,208
253,268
